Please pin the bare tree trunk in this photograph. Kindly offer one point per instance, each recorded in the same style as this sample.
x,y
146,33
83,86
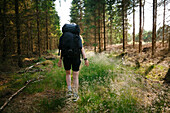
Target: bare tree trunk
x,y
31,45
125,25
133,23
104,27
140,26
126,28
163,38
99,26
50,43
169,36
154,27
123,18
111,38
28,38
4,31
81,15
101,30
18,33
46,19
38,28
95,40
143,16
111,41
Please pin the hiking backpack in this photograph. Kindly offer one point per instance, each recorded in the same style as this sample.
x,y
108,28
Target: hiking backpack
x,y
70,42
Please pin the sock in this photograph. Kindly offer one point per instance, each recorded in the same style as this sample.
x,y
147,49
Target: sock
x,y
69,88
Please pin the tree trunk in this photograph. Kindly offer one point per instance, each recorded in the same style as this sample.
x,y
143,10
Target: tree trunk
x,y
99,27
28,38
123,18
95,32
126,27
143,16
140,26
18,33
46,21
154,27
104,27
133,23
4,31
111,41
81,15
50,43
169,36
31,41
163,38
38,28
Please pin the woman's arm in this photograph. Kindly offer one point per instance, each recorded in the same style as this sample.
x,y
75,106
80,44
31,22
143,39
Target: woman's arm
x,y
60,62
84,57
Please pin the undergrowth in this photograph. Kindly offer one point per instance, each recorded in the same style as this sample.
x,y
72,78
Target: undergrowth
x,y
105,86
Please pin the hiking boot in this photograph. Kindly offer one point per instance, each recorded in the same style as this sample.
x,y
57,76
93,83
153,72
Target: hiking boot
x,y
69,93
75,97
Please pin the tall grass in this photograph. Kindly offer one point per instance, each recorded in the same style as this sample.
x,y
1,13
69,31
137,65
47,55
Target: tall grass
x,y
106,87
54,79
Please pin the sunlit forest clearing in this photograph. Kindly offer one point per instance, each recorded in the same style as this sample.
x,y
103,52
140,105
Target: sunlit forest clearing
x,y
128,72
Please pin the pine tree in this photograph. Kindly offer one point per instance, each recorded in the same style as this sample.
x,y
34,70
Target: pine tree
x,y
17,19
140,26
133,23
163,38
19,34
3,40
154,27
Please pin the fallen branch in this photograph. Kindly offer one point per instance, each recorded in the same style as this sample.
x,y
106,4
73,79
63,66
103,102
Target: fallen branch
x,y
35,70
50,57
9,99
29,68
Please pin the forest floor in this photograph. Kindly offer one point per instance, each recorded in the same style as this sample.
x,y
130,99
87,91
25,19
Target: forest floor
x,y
114,82
145,60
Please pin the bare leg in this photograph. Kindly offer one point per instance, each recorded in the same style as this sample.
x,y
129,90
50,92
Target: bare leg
x,y
75,81
68,79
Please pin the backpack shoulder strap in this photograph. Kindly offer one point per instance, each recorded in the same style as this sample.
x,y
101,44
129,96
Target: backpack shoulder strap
x,y
60,45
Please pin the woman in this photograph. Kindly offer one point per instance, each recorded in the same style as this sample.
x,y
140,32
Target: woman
x,y
74,64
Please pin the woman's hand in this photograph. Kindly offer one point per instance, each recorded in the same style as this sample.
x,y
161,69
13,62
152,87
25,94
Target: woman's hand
x,y
87,63
60,63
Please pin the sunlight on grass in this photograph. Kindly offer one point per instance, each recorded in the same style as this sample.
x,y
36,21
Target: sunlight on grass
x,y
153,72
106,87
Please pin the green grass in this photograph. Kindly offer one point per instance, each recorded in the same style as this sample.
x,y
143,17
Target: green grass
x,y
105,86
51,105
97,90
101,88
54,79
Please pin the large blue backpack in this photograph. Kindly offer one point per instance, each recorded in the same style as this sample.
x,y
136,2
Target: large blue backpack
x,y
70,42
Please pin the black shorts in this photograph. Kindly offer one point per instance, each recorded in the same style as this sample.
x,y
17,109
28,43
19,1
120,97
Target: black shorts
x,y
71,61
